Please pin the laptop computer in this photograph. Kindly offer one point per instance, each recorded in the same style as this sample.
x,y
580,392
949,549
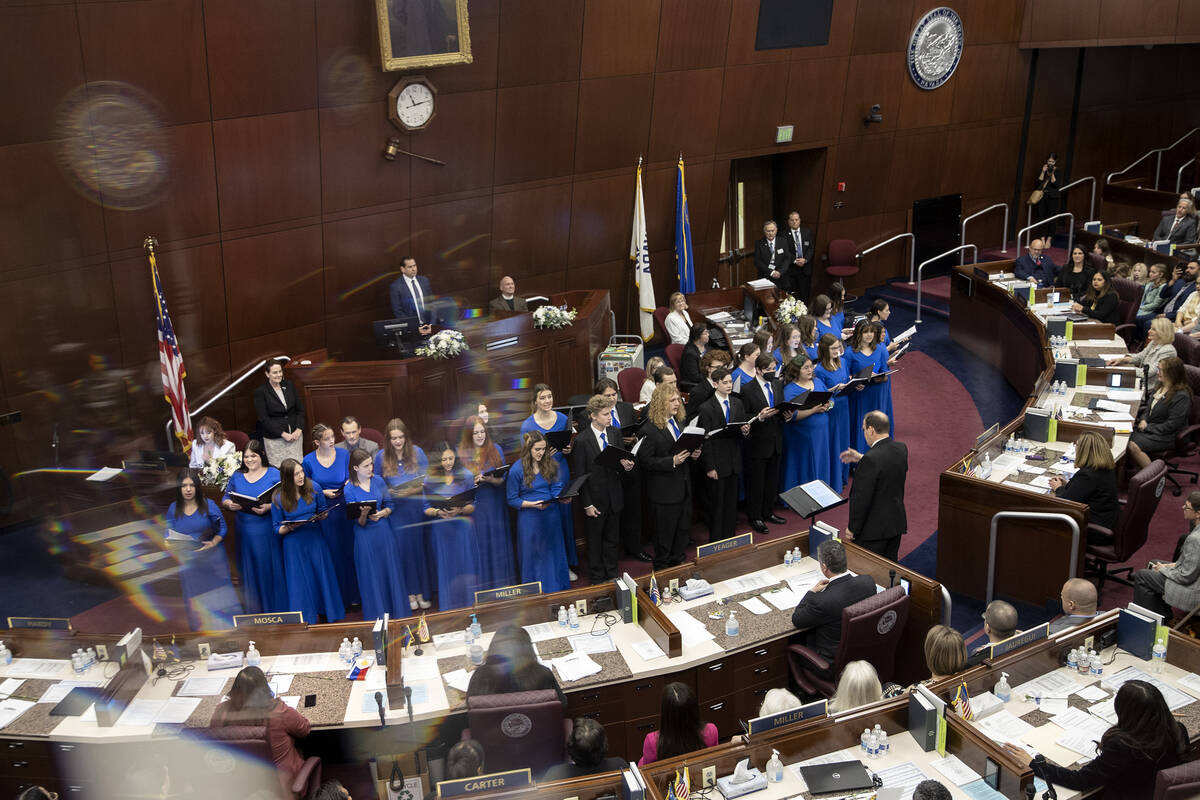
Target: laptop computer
x,y
842,776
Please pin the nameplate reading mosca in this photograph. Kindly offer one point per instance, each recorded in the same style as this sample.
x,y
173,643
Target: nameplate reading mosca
x,y
935,48
277,618
47,623
508,592
732,543
484,783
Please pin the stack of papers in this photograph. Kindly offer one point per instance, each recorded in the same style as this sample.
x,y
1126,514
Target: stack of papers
x,y
1175,698
749,583
420,668
43,668
10,709
458,679
691,631
61,689
308,662
544,631
904,776
755,606
173,710
1058,683
1081,731
1004,727
587,643
9,686
647,650
958,772
201,686
783,599
800,584
575,666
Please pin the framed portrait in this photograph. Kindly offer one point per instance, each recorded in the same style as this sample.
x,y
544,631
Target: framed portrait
x,y
423,33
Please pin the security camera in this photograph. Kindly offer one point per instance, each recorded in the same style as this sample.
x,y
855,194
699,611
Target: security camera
x,y
874,116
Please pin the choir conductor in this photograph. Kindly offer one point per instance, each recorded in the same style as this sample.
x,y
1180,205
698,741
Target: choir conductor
x,y
877,518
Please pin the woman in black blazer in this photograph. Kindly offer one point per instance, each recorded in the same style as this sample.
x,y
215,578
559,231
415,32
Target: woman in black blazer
x,y
689,362
1101,302
1164,416
280,416
1095,483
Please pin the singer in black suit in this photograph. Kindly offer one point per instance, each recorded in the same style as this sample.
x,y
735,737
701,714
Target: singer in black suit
x,y
280,413
721,457
764,445
668,476
877,518
601,496
819,613
800,252
771,259
624,416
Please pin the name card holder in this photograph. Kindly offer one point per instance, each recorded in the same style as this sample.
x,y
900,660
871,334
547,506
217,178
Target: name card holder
x,y
508,592
770,722
1018,641
44,623
276,618
732,543
495,781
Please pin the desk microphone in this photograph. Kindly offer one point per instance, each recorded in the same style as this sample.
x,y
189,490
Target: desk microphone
x,y
379,703
891,578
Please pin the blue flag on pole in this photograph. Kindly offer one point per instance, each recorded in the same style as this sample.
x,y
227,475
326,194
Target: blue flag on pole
x,y
684,267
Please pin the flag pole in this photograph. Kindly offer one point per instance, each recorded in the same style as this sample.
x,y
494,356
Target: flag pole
x,y
632,300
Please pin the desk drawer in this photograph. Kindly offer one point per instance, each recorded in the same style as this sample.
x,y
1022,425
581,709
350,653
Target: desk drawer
x,y
747,699
756,656
585,700
635,735
714,679
722,713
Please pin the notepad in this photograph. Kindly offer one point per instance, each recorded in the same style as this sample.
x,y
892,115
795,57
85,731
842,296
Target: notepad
x,y
575,666
9,686
755,606
458,679
201,686
647,650
783,599
587,643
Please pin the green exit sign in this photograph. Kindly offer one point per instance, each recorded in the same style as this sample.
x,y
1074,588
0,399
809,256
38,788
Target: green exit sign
x,y
783,134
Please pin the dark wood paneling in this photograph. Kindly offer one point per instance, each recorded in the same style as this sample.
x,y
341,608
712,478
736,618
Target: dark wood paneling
x,y
261,56
268,169
272,281
187,205
987,156
1188,24
619,37
535,131
1142,21
362,258
687,105
593,204
872,79
990,21
1066,23
601,145
540,41
916,168
354,173
41,42
370,402
882,26
750,108
452,243
463,134
1052,94
692,34
348,70
743,29
978,95
814,98
861,163
157,46
1154,74
529,234
920,108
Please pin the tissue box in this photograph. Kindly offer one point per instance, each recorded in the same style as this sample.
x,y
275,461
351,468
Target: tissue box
x,y
731,790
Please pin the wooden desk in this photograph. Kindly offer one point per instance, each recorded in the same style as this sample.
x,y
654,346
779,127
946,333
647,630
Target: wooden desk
x,y
1129,199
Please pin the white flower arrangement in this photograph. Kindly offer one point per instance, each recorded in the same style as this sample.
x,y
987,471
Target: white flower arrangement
x,y
550,317
790,311
219,469
443,344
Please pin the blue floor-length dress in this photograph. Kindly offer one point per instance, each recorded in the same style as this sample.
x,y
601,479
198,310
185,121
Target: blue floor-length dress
x,y
564,474
876,397
540,552
805,442
830,327
260,548
336,528
493,533
408,524
839,423
208,594
455,550
312,586
377,560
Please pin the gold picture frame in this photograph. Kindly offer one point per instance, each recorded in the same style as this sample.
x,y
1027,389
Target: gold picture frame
x,y
433,43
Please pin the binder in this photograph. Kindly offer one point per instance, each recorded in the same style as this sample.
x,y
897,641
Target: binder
x,y
1135,633
689,439
457,501
559,440
850,384
727,431
354,509
1067,370
1040,425
624,601
573,490
922,720
498,472
611,457
247,502
814,399
812,498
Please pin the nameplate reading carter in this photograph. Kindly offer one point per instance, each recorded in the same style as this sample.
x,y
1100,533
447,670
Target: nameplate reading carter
x,y
484,783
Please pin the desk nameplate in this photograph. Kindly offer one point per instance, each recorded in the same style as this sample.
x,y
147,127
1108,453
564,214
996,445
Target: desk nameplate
x,y
1020,640
45,623
732,543
276,618
508,592
496,781
770,722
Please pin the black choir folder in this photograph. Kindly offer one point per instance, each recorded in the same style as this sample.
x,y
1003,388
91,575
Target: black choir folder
x,y
559,440
456,501
354,509
611,457
689,439
498,472
573,490
812,498
247,502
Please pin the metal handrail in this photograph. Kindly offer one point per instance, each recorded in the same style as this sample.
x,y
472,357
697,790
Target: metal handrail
x,y
1179,173
962,234
947,605
912,246
1041,222
1158,152
1091,207
1043,515
228,388
924,264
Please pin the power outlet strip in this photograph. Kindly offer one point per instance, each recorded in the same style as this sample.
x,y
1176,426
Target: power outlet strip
x,y
581,606
709,776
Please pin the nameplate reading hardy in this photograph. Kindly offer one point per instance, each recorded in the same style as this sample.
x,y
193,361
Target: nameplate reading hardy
x,y
732,543
508,592
484,783
277,618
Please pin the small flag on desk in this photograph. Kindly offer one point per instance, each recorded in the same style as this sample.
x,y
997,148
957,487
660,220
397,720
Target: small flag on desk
x,y
671,790
423,629
683,784
654,595
962,702
407,638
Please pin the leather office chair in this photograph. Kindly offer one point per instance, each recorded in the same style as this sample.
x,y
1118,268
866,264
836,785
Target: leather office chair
x,y
239,759
660,323
674,356
629,381
1139,505
841,262
373,435
519,730
1179,782
1129,298
1186,444
239,439
1188,349
871,631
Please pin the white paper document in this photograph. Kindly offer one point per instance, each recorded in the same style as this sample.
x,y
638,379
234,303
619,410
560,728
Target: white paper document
x,y
1054,705
420,668
1091,693
9,686
544,631
11,708
280,684
141,712
800,584
1075,721
308,662
1191,682
904,776
1053,684
821,492
755,606
587,643
691,630
575,666
1080,742
749,583
647,650
177,710
447,641
293,701
1004,727
44,668
783,599
958,772
104,474
61,689
202,686
458,679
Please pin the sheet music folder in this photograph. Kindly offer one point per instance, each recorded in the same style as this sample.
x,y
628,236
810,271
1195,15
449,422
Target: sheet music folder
x,y
809,499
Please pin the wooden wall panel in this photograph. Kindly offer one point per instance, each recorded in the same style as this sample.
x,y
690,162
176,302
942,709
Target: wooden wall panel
x,y
482,72
347,58
540,41
600,145
529,233
272,281
1144,21
594,204
619,37
267,168
463,134
862,163
917,166
36,41
750,108
535,131
872,79
452,243
692,34
687,107
354,173
990,21
1065,23
978,95
882,26
362,257
815,93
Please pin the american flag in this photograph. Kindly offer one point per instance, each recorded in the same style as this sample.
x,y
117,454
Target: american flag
x,y
962,702
683,784
171,361
654,595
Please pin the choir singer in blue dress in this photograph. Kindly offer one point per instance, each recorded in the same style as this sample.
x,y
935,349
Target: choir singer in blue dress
x,y
260,551
866,351
834,372
195,530
805,433
377,560
545,419
493,533
451,532
329,467
402,465
296,512
533,483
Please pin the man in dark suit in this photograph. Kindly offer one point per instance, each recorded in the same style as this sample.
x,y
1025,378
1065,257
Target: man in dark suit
x,y
771,257
600,496
819,612
1034,266
1177,228
668,478
764,445
721,459
411,296
508,300
624,416
999,623
800,251
877,518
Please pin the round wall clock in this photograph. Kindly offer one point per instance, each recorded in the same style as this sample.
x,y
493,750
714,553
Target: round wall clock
x,y
411,103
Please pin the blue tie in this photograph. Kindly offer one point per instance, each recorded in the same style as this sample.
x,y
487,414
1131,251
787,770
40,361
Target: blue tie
x,y
674,429
616,422
770,396
726,402
603,441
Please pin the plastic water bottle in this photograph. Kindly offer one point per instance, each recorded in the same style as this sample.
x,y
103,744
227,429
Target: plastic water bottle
x,y
5,654
75,662
881,738
357,649
1073,659
732,628
862,740
1096,667
476,652
572,617
1003,691
787,558
344,651
1158,656
774,768
1084,662
253,658
987,465
796,556
91,657
476,628
562,616
872,745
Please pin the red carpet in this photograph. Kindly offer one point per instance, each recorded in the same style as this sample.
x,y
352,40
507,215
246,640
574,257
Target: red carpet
x,y
931,289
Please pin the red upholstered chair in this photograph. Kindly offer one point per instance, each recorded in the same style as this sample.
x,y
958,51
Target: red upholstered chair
x,y
1139,505
674,355
519,730
629,381
1129,298
237,762
1181,782
841,261
1188,349
372,434
660,323
239,439
871,631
